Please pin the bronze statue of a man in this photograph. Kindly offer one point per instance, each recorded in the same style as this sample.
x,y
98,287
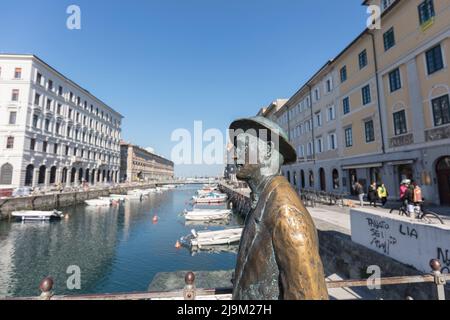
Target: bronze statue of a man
x,y
278,255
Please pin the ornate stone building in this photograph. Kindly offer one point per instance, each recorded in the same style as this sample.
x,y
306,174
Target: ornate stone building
x,y
138,164
52,131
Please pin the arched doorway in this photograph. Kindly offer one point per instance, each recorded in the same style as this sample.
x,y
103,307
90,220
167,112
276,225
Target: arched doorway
x,y
41,179
302,178
323,182
335,179
311,179
80,175
29,175
52,175
72,175
87,176
64,175
443,175
6,173
93,176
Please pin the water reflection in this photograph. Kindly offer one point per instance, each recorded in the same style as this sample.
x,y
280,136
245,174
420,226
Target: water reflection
x,y
118,249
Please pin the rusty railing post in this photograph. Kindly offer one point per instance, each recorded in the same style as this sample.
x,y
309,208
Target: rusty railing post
x,y
46,287
439,279
189,289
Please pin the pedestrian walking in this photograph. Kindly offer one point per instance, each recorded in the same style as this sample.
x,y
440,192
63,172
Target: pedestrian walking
x,y
360,192
382,194
372,194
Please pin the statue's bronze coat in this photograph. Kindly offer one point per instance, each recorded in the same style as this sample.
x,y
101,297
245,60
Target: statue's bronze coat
x,y
278,256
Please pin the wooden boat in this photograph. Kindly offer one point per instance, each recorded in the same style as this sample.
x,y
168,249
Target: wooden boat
x,y
212,197
38,215
207,214
98,202
212,238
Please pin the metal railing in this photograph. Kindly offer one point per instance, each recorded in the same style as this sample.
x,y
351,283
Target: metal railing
x,y
190,292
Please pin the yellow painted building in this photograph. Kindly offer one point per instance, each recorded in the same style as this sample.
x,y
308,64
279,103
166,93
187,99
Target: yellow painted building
x,y
380,109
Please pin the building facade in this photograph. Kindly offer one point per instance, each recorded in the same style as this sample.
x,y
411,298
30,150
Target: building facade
x,y
138,165
379,111
52,131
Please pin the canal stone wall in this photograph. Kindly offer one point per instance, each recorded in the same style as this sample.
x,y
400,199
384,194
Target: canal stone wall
x,y
60,200
350,260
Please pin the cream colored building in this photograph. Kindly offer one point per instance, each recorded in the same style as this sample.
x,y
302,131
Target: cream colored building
x,y
140,165
390,91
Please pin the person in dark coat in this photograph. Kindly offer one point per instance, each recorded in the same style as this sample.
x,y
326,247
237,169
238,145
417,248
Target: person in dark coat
x,y
372,195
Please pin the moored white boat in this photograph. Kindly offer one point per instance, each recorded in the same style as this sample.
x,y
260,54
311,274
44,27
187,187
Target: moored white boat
x,y
37,215
212,197
210,238
207,214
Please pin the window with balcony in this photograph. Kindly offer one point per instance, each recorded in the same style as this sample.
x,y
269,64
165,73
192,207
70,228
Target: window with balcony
x,y
441,110
58,108
44,146
50,85
426,12
362,59
400,126
369,131
395,82
389,39
32,144
10,143
12,117
70,114
37,98
55,148
58,128
49,104
35,121
435,61
67,151
349,137
15,95
60,90
366,97
47,125
71,96
18,73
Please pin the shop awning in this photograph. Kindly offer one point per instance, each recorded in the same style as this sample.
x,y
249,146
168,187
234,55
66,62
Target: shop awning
x,y
363,166
400,162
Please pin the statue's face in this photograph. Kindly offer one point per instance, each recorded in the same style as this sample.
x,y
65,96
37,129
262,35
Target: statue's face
x,y
255,156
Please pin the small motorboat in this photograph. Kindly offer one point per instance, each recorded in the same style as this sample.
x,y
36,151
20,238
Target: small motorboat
x,y
38,215
207,214
99,202
211,238
212,197
119,197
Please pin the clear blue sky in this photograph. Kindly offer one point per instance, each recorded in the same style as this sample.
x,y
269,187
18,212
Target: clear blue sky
x,y
165,63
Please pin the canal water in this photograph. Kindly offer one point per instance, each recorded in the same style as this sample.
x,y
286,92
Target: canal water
x,y
118,249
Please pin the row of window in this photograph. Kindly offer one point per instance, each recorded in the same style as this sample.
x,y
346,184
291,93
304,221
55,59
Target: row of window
x,y
71,98
75,134
71,115
68,151
318,122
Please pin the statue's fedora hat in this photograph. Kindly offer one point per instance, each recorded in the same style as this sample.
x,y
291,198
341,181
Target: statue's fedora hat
x,y
258,123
